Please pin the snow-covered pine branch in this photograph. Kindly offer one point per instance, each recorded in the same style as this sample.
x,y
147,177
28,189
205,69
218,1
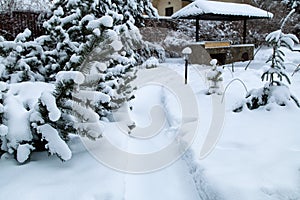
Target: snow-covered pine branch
x,y
276,73
97,38
67,110
22,59
275,91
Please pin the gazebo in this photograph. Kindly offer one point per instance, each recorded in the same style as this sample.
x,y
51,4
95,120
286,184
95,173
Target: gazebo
x,y
221,11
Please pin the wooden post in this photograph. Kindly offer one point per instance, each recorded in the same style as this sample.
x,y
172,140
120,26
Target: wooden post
x,y
197,29
245,31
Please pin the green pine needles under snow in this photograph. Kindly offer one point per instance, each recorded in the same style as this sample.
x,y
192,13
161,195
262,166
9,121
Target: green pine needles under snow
x,y
274,91
66,81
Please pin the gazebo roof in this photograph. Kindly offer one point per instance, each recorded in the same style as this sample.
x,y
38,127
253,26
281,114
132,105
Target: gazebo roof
x,y
214,10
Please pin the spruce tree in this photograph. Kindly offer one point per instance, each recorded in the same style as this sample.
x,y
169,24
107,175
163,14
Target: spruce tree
x,y
3,127
68,110
90,52
23,59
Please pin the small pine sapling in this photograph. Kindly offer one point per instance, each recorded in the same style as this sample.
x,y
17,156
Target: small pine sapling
x,y
276,73
275,92
214,78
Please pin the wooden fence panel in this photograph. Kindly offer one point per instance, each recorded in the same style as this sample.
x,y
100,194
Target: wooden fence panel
x,y
11,24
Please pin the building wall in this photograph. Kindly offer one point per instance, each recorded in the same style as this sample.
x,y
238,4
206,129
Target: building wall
x,y
161,5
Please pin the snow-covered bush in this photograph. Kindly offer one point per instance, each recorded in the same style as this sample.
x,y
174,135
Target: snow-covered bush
x,y
275,91
73,31
168,43
150,63
3,128
214,78
23,59
17,105
47,116
90,52
267,96
77,27
67,110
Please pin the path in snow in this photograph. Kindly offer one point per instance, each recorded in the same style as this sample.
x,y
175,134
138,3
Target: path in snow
x,y
85,178
180,180
174,181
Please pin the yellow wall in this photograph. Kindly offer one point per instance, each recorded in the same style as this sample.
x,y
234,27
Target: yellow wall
x,y
161,5
185,3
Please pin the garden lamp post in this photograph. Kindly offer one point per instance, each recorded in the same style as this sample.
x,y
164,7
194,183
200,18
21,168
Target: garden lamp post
x,y
186,52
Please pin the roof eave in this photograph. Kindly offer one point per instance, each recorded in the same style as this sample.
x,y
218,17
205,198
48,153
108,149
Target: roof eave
x,y
220,17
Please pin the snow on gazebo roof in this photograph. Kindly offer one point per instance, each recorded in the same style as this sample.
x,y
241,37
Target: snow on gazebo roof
x,y
213,10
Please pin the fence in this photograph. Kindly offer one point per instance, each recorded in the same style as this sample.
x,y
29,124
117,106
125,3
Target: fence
x,y
11,24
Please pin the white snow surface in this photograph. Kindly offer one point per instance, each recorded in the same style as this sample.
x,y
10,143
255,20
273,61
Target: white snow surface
x,y
200,7
49,101
55,144
117,45
3,86
17,121
256,157
150,63
106,21
23,152
76,76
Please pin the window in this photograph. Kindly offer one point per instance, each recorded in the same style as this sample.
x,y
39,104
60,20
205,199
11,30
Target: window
x,y
169,11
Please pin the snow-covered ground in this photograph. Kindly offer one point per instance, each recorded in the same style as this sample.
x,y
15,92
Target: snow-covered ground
x,y
256,155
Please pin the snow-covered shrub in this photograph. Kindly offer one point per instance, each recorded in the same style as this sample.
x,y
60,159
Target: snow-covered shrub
x,y
152,62
151,50
72,32
168,43
44,119
109,69
174,41
3,128
275,91
90,52
214,78
267,96
17,105
77,27
23,59
68,110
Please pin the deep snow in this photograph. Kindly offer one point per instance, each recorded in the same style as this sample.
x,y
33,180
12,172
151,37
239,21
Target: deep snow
x,y
256,156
